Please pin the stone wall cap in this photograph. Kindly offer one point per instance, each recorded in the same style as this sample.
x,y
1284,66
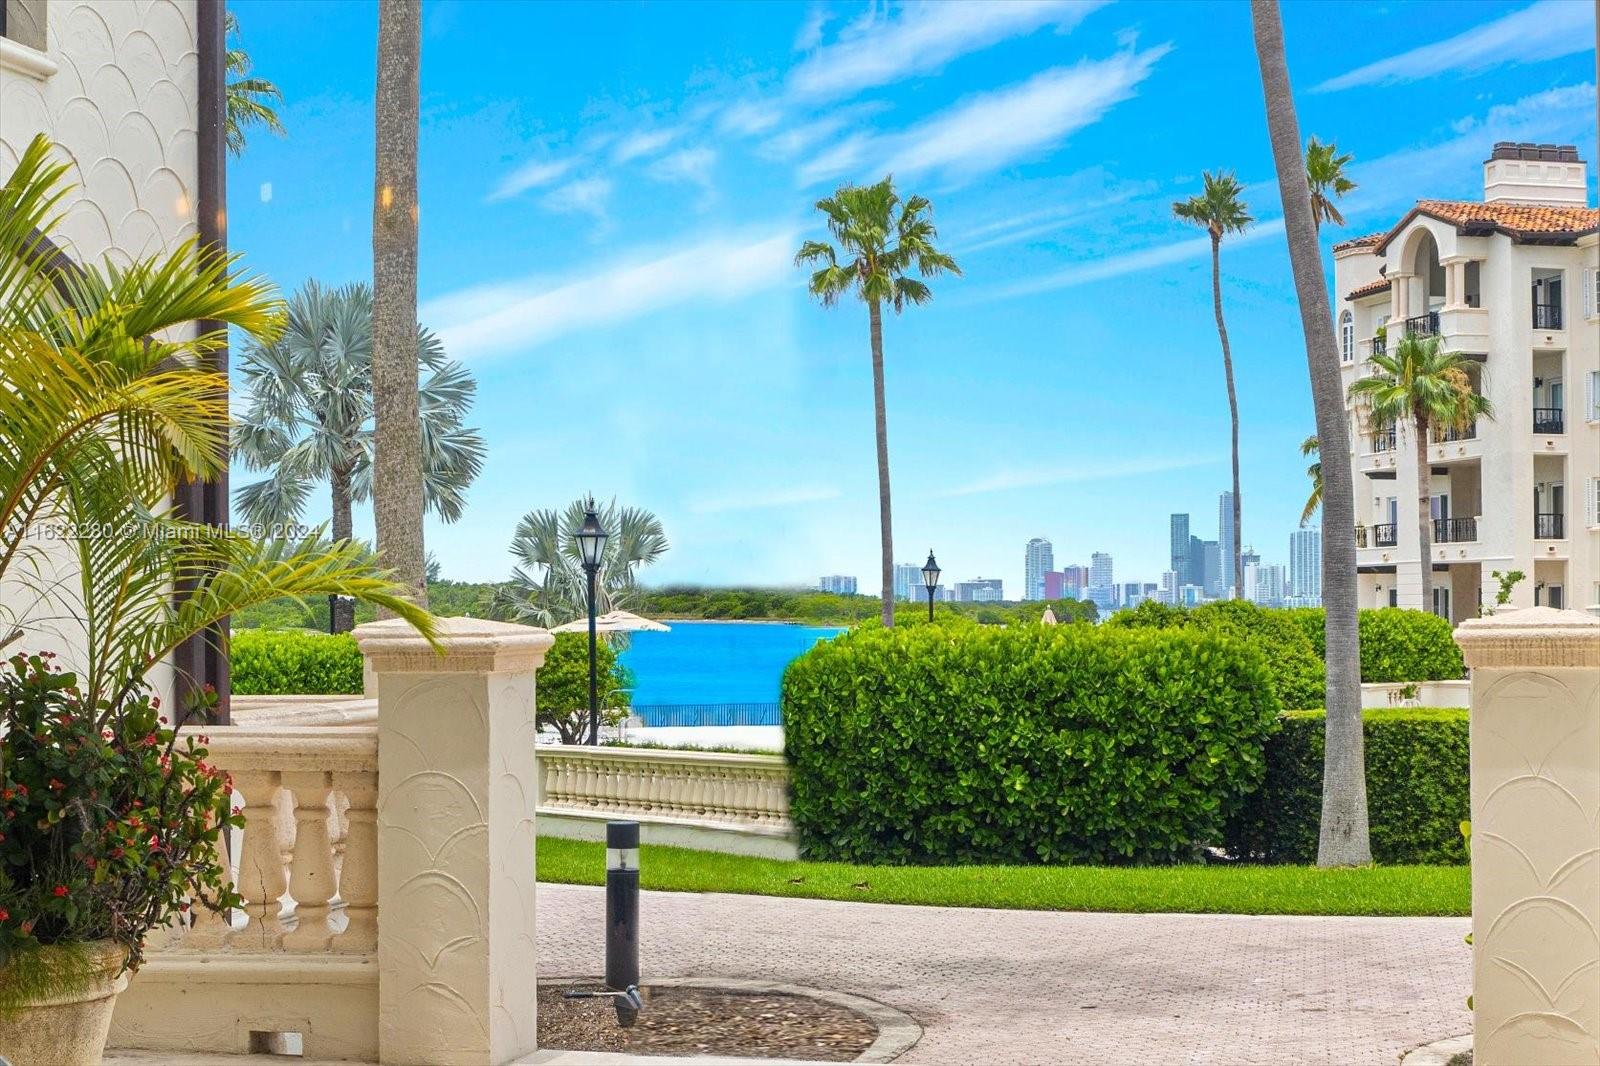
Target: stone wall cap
x,y
464,645
1531,637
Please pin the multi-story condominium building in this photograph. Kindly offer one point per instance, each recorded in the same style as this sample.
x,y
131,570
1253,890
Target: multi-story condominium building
x,y
908,581
1038,561
1100,570
1180,553
1225,540
1305,566
1266,583
1513,284
980,590
842,584
1075,579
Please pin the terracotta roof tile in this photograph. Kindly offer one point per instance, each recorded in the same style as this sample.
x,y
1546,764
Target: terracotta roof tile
x,y
1371,288
1360,242
1520,221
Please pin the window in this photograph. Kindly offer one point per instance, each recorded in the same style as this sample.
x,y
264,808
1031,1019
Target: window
x,y
1591,292
1347,337
1592,398
1547,299
23,21
1591,503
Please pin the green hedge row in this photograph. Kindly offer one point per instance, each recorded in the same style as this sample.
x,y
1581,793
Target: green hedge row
x,y
268,662
1417,791
1024,744
1397,644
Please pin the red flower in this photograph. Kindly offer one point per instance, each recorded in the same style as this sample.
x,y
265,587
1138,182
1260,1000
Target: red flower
x,y
5,915
60,890
57,785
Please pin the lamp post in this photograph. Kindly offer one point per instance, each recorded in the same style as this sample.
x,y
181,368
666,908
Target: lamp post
x,y
930,579
591,546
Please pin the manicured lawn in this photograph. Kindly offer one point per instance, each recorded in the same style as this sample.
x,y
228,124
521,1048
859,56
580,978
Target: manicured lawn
x,y
1386,890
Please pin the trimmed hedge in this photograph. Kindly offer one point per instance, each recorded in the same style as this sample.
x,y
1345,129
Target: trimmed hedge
x,y
1297,669
1417,793
1023,744
276,662
1397,644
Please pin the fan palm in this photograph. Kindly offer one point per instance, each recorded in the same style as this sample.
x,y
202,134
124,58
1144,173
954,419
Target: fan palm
x,y
1219,210
108,405
1326,178
249,100
548,587
1419,384
880,240
309,417
1343,838
1311,447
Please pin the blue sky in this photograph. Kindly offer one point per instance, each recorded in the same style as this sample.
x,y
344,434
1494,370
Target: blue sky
x,y
612,194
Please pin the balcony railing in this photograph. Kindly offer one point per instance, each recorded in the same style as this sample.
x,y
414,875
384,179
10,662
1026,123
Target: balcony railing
x,y
1549,526
1549,420
1383,442
1455,530
1385,535
1546,316
1380,345
1424,325
1361,536
1450,434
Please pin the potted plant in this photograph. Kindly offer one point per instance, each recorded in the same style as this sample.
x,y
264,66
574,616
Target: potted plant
x,y
109,814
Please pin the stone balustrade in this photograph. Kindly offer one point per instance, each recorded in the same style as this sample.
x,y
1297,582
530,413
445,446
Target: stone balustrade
x,y
727,801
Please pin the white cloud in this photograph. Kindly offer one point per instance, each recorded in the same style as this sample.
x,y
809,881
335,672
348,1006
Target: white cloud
x,y
585,196
644,142
692,165
1030,224
810,33
994,129
1548,29
1092,470
757,501
747,117
519,315
922,38
533,174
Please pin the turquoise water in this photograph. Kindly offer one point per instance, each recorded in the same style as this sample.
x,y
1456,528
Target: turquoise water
x,y
715,664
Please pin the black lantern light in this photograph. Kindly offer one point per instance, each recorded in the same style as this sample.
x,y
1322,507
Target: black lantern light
x,y
930,579
591,538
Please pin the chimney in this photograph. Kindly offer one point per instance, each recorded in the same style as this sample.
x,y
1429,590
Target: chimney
x,y
1550,174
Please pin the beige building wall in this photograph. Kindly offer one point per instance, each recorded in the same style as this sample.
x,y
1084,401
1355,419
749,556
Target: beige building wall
x,y
116,87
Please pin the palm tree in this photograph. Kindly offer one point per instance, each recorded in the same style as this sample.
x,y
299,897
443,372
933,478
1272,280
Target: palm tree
x,y
1343,840
1419,384
109,404
1326,178
1221,210
310,410
549,586
397,480
249,100
880,240
1310,447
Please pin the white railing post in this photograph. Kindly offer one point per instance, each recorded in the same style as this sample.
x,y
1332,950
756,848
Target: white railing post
x,y
455,810
1535,835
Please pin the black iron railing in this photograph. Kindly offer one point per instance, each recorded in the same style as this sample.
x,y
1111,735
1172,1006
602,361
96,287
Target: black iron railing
x,y
1546,316
1385,535
1549,526
1379,345
1455,530
1549,420
1424,325
1361,536
1447,434
1384,441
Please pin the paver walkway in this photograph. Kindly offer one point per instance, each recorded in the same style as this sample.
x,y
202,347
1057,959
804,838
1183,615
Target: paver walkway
x,y
991,986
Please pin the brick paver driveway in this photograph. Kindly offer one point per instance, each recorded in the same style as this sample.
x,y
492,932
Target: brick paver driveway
x,y
993,986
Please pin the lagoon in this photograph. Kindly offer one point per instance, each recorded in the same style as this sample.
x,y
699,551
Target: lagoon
x,y
715,673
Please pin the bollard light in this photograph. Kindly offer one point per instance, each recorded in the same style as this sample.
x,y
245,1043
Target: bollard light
x,y
622,918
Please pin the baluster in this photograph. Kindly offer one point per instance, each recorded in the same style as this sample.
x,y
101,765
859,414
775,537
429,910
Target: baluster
x,y
311,875
635,785
261,867
358,876
210,929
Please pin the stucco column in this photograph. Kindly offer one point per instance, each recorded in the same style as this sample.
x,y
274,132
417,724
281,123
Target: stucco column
x,y
456,981
1455,282
1399,302
1535,836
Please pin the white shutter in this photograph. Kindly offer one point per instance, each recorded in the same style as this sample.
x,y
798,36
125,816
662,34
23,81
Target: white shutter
x,y
1591,292
1592,395
1591,503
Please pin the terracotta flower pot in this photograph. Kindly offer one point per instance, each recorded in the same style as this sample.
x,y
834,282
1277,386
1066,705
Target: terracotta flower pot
x,y
68,1029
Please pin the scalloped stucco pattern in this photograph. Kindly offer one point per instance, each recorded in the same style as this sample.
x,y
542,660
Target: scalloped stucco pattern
x,y
456,867
1536,866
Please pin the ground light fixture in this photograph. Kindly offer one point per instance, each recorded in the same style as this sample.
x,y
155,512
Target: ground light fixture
x,y
591,537
930,579
622,924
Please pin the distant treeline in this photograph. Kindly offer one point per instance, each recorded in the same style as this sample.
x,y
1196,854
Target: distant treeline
x,y
477,598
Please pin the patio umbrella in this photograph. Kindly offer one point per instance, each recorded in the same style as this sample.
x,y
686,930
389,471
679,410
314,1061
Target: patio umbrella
x,y
614,622
1049,618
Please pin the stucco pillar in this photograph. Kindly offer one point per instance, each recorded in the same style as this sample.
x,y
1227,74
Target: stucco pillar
x,y
456,980
1455,282
1399,302
1535,836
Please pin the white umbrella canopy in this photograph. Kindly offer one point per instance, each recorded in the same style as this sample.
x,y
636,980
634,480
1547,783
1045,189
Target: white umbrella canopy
x,y
1049,618
614,622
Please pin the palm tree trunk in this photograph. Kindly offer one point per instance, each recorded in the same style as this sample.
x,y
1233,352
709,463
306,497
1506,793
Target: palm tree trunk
x,y
881,417
397,500
1233,413
342,610
1424,513
1344,840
